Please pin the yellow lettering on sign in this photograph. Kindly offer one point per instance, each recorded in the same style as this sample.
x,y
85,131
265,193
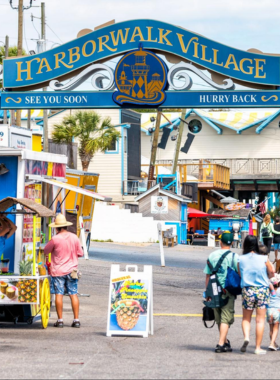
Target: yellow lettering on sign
x,y
185,49
231,61
259,68
150,34
27,70
215,58
44,63
137,33
84,48
204,54
74,52
241,65
60,60
104,43
163,37
120,35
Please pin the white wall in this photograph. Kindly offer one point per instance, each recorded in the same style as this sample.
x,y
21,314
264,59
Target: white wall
x,y
209,145
119,225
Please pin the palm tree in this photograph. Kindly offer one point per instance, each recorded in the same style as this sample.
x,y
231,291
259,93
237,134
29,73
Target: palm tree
x,y
12,52
93,134
65,133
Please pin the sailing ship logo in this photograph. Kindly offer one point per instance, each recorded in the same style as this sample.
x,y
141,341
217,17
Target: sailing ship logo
x,y
141,78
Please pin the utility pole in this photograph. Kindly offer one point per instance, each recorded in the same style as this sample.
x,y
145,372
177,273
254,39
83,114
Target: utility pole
x,y
45,112
178,142
5,119
20,9
154,150
19,47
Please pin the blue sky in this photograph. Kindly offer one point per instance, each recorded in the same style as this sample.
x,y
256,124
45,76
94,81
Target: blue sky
x,y
239,23
242,24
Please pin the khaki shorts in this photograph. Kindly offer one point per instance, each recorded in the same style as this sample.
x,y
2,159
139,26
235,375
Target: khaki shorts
x,y
225,314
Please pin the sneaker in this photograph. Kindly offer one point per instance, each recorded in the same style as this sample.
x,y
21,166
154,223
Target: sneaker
x,y
58,324
272,348
76,324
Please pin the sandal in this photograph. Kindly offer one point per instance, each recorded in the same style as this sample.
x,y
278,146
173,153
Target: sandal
x,y
244,346
260,352
58,324
272,348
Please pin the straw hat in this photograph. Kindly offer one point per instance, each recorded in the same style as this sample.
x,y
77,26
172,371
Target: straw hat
x,y
60,221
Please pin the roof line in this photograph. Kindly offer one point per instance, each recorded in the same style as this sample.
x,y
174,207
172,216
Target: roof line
x,y
209,122
266,122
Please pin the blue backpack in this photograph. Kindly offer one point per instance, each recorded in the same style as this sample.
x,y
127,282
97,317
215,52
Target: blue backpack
x,y
233,280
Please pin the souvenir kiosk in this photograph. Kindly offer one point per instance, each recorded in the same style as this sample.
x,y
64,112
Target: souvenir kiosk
x,y
22,176
24,297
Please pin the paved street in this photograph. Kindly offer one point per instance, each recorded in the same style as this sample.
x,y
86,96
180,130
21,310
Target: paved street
x,y
180,348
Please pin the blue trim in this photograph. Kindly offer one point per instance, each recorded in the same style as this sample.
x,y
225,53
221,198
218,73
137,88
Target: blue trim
x,y
52,115
266,122
122,160
209,122
114,151
178,225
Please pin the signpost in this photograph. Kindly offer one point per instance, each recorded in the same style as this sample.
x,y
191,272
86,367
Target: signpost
x,y
130,308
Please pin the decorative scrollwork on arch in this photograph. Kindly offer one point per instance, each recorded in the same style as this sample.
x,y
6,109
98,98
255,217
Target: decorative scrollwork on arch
x,y
97,79
179,71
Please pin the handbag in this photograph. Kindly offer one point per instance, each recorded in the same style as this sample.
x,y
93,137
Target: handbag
x,y
233,280
208,316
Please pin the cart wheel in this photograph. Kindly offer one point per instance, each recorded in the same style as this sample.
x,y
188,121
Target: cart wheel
x,y
45,303
29,321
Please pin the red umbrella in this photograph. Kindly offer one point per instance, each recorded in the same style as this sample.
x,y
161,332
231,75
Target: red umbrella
x,y
193,213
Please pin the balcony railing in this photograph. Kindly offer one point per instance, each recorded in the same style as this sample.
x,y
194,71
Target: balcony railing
x,y
206,174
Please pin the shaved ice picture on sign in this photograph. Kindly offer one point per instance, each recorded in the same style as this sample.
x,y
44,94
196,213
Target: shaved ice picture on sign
x,y
129,302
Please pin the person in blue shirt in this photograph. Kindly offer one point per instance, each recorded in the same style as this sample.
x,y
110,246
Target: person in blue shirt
x,y
255,270
273,313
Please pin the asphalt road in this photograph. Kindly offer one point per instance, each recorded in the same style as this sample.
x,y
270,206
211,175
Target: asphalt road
x,y
181,347
178,257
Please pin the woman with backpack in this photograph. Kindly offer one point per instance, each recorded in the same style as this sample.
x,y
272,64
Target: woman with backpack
x,y
255,270
267,230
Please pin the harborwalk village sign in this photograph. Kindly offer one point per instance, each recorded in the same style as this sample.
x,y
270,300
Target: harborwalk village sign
x,y
141,77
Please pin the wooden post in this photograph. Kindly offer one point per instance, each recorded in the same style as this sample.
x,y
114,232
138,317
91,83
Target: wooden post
x,y
154,151
178,142
19,47
5,118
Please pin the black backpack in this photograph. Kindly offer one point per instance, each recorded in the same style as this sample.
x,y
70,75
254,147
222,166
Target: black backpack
x,y
214,289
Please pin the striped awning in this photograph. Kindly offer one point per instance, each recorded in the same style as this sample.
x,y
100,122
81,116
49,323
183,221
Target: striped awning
x,y
35,114
236,119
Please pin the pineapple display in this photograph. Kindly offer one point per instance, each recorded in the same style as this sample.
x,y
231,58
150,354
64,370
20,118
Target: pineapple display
x,y
27,289
128,312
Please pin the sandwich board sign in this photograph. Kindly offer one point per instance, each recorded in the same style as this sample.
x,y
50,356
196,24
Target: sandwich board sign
x,y
130,308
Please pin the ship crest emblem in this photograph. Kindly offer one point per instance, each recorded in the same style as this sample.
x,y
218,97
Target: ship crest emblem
x,y
140,78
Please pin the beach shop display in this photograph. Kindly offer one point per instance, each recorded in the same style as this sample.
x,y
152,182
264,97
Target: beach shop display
x,y
130,310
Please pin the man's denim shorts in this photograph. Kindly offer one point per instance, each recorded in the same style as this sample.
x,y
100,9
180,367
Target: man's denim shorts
x,y
64,285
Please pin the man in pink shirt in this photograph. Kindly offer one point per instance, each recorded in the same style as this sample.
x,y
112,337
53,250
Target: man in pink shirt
x,y
65,248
